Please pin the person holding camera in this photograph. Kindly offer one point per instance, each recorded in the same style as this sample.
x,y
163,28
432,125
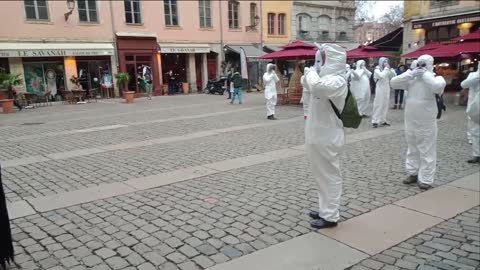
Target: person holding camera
x,y
270,80
421,120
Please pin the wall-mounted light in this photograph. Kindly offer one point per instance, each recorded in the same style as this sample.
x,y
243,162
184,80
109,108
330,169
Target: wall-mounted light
x,y
256,20
71,7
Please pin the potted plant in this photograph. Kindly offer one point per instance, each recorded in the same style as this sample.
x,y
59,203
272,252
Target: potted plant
x,y
7,82
122,81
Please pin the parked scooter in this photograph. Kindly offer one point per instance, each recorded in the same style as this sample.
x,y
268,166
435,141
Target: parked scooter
x,y
216,86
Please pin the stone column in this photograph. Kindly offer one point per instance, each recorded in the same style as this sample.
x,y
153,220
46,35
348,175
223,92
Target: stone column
x,y
70,70
191,72
204,70
16,67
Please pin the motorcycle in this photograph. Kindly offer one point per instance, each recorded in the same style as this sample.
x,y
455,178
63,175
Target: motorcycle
x,y
216,86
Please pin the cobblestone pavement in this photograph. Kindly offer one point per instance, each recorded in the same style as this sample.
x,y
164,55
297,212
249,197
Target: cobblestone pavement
x,y
208,220
451,245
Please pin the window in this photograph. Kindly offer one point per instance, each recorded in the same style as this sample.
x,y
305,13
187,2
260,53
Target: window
x,y
324,22
325,35
271,23
342,24
132,11
442,3
171,17
36,9
233,14
87,10
253,13
205,17
342,36
281,24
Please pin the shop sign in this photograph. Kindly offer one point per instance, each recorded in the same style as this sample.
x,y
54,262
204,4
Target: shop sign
x,y
444,22
53,53
184,50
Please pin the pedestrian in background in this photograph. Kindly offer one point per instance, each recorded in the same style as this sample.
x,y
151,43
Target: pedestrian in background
x,y
399,92
360,87
472,82
382,76
237,87
421,120
229,86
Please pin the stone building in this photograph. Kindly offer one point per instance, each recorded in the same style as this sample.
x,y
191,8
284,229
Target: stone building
x,y
368,32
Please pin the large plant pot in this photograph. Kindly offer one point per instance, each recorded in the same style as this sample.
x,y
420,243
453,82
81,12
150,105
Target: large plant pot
x,y
7,105
185,88
129,96
3,95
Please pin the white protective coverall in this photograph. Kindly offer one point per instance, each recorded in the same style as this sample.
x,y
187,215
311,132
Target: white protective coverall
x,y
382,76
360,86
421,118
270,79
472,82
324,134
306,91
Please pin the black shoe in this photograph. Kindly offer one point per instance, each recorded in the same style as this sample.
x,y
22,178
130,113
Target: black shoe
x,y
400,107
395,107
314,214
322,224
474,160
424,186
273,117
412,179
385,124
375,125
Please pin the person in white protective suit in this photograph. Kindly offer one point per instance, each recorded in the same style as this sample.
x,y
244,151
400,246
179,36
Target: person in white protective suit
x,y
421,120
270,79
472,82
324,134
360,87
348,73
382,76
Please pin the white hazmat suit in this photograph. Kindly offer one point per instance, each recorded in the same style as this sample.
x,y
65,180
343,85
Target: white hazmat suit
x,y
472,82
270,79
382,75
360,86
324,134
421,118
306,91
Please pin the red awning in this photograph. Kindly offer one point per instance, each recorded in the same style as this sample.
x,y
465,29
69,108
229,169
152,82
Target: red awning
x,y
293,53
298,44
366,52
426,49
455,49
472,36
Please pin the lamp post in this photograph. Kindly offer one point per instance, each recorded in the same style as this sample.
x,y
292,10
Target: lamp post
x,y
71,7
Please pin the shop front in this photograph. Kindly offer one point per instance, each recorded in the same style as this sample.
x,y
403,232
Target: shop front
x,y
51,68
138,56
186,67
256,67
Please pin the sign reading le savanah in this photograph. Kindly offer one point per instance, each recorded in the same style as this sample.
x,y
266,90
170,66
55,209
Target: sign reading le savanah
x,y
184,50
53,53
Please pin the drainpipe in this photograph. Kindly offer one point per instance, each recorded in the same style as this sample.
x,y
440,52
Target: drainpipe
x,y
222,53
261,25
115,53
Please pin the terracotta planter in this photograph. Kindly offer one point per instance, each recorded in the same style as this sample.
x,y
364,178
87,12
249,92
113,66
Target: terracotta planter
x,y
3,95
165,89
129,95
185,88
7,105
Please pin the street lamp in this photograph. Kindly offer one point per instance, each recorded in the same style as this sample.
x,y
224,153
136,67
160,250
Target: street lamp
x,y
256,20
71,7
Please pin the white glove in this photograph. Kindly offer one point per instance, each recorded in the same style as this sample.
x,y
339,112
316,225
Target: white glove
x,y
306,70
418,72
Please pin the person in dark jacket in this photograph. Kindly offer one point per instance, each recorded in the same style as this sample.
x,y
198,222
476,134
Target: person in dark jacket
x,y
399,92
6,246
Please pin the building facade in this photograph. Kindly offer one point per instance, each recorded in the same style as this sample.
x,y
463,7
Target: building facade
x,y
50,42
368,32
435,20
324,21
276,22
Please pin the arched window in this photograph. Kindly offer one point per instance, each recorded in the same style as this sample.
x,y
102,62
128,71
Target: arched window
x,y
324,22
271,23
281,24
342,24
303,23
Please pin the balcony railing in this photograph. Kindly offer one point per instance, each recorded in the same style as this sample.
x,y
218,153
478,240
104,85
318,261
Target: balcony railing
x,y
324,36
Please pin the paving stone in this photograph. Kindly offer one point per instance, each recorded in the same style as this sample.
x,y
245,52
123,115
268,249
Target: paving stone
x,y
116,262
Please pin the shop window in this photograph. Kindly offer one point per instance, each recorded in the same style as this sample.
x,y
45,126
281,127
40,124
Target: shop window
x,y
233,17
4,66
281,24
36,9
205,16
271,23
171,14
253,14
132,11
87,10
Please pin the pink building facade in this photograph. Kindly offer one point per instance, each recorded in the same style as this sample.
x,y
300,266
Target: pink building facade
x,y
49,42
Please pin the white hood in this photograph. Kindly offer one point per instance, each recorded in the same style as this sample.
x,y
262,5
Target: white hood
x,y
335,58
318,60
382,61
413,65
360,64
428,59
347,67
269,67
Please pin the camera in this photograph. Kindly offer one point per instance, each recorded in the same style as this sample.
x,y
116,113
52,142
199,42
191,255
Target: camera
x,y
421,64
